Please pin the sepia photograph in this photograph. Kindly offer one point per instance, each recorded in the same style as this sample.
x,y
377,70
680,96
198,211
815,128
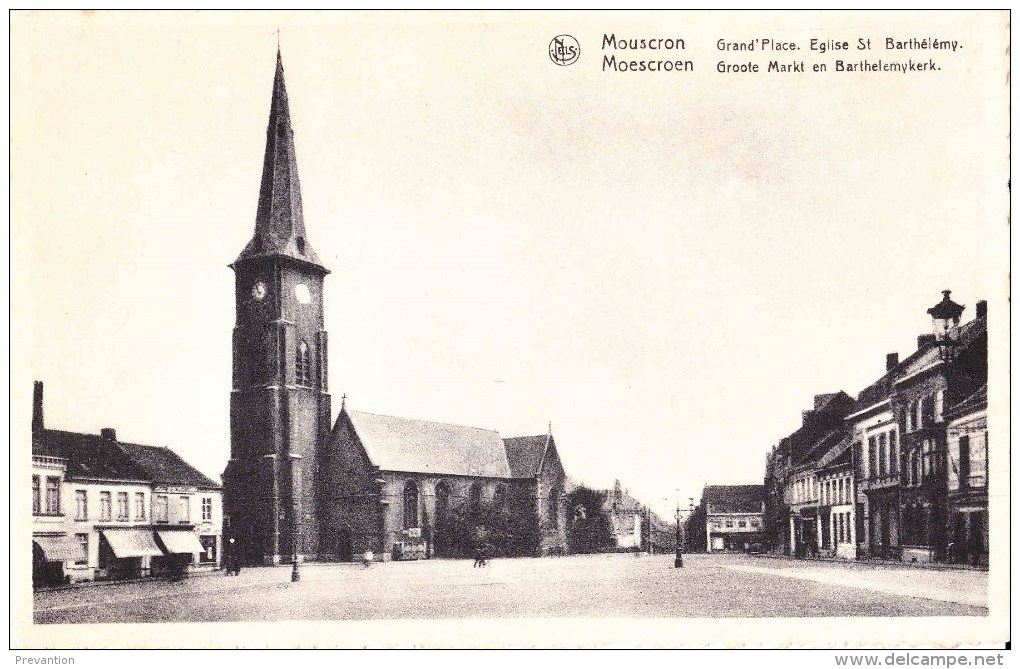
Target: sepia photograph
x,y
509,329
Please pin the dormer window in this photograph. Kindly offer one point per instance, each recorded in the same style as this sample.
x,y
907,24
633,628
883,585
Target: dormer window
x,y
301,245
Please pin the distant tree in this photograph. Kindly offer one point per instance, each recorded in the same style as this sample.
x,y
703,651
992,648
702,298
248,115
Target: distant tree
x,y
589,528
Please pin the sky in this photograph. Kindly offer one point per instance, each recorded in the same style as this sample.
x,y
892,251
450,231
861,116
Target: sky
x,y
666,267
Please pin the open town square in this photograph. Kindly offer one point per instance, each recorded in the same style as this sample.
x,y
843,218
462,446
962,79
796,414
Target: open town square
x,y
605,585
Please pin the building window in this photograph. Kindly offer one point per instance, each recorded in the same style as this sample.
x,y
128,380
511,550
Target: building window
x,y
410,504
742,523
208,554
964,461
928,453
207,508
36,496
122,506
184,510
729,523
859,452
105,506
881,455
928,411
303,365
53,495
872,458
979,462
83,549
162,509
554,508
81,505
139,506
894,455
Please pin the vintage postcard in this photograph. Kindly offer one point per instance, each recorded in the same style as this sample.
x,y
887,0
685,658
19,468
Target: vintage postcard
x,y
509,329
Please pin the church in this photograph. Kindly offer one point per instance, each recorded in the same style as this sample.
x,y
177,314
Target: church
x,y
299,486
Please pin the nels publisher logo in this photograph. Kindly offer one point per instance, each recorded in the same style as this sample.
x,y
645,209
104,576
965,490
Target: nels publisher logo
x,y
564,50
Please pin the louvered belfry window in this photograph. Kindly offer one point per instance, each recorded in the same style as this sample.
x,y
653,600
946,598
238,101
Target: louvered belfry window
x,y
303,365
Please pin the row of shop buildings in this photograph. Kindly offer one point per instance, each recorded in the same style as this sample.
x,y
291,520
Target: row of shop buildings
x,y
899,472
104,509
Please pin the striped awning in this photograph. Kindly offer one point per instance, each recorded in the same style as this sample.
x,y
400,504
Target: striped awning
x,y
181,541
58,549
132,543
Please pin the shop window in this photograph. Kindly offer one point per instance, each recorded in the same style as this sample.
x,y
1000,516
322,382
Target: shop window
x,y
83,549
81,505
53,495
208,554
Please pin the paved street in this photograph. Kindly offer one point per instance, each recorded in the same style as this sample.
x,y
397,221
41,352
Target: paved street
x,y
576,587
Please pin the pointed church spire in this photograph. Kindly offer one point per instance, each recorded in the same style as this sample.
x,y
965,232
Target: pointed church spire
x,y
279,221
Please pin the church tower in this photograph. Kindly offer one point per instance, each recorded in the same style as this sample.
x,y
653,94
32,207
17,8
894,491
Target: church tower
x,y
279,403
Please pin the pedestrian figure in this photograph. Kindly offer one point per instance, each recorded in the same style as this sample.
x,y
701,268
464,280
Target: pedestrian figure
x,y
478,556
366,559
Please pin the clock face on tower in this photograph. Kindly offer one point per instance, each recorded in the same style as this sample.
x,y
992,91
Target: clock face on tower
x,y
258,291
302,294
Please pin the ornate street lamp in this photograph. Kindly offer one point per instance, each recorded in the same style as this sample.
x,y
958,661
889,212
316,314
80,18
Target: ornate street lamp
x,y
945,317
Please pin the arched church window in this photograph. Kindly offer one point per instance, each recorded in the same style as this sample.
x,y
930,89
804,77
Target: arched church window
x,y
410,504
554,507
499,498
303,365
475,498
442,501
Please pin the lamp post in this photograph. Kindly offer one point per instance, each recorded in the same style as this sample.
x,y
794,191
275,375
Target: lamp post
x,y
678,561
945,316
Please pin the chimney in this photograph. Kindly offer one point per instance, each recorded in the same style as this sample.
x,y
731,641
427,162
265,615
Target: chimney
x,y
925,340
891,360
982,308
37,408
108,434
